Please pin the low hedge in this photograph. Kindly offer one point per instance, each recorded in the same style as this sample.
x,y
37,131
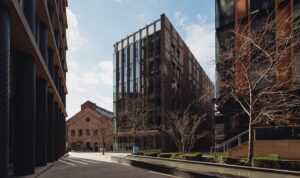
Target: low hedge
x,y
153,154
192,156
269,161
165,155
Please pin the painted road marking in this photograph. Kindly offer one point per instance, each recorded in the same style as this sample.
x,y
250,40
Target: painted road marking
x,y
89,161
66,162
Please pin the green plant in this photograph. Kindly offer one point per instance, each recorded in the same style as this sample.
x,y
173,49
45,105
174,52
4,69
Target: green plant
x,y
268,161
197,156
221,157
177,156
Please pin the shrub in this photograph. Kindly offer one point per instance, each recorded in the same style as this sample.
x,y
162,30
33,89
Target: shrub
x,y
269,161
176,156
192,156
222,157
153,154
165,155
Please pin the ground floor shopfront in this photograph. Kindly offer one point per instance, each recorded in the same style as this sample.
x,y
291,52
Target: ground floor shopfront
x,y
150,140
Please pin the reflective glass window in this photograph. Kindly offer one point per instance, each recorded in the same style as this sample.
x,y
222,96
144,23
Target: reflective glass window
x,y
298,66
258,5
125,64
224,12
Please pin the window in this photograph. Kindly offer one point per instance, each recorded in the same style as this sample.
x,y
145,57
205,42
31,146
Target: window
x,y
177,54
72,133
258,5
172,49
87,119
190,66
224,12
298,66
95,132
80,132
87,131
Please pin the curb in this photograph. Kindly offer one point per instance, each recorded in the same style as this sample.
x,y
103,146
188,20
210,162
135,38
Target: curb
x,y
296,173
164,169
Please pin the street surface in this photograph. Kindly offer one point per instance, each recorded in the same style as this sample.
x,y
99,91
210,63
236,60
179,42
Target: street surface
x,y
95,165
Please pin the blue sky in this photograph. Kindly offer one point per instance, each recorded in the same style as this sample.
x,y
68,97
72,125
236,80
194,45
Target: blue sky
x,y
95,25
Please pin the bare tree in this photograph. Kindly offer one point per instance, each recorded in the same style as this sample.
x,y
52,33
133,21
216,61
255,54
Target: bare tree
x,y
186,127
103,130
134,115
256,73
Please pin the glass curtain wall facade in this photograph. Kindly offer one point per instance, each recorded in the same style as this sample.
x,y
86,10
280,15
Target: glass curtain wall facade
x,y
154,63
130,58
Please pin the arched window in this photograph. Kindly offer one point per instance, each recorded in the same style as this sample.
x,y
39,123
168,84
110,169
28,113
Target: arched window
x,y
87,119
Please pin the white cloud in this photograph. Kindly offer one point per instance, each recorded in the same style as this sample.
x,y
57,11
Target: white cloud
x,y
75,38
200,38
143,19
180,19
85,80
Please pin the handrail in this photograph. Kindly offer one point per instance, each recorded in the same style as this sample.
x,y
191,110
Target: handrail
x,y
233,138
226,145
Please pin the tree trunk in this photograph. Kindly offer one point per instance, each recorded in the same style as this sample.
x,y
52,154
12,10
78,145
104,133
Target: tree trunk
x,y
250,143
103,144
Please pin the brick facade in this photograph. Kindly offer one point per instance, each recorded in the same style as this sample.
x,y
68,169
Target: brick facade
x,y
83,129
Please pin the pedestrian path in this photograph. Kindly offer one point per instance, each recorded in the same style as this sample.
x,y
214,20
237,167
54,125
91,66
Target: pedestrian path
x,y
77,161
96,165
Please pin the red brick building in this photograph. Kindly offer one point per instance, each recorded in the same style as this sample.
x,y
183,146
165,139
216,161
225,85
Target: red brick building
x,y
88,127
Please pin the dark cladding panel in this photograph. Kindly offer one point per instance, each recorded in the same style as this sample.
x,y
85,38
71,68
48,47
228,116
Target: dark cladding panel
x,y
25,108
41,122
4,88
224,12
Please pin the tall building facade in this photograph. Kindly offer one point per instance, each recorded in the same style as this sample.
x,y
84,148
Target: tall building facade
x,y
155,63
237,14
32,84
90,129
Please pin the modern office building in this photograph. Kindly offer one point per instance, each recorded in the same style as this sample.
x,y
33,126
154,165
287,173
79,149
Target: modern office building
x,y
155,63
87,128
245,14
32,84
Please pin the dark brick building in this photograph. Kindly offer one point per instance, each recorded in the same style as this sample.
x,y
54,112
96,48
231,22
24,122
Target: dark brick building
x,y
229,15
32,84
155,62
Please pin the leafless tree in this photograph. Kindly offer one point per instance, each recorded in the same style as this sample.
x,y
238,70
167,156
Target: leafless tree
x,y
103,130
186,127
256,72
134,115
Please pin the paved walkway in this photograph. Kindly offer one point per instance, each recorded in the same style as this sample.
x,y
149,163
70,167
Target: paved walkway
x,y
95,165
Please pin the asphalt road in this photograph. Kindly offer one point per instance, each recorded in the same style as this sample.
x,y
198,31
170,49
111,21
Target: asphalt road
x,y
71,167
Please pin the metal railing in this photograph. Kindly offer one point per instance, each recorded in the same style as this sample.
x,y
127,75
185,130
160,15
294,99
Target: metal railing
x,y
231,143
